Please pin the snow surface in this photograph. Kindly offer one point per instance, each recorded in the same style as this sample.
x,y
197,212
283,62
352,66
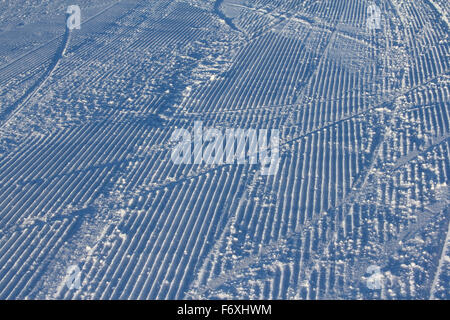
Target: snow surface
x,y
86,177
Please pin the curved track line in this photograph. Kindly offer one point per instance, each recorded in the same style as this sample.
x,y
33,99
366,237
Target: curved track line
x,y
222,16
16,107
12,110
440,264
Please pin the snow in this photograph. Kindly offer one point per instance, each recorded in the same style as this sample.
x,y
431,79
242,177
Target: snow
x,y
86,177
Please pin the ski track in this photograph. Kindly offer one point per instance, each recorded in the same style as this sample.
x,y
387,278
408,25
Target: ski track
x,y
86,176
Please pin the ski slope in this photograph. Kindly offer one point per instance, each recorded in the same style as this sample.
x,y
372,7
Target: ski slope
x,y
86,176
